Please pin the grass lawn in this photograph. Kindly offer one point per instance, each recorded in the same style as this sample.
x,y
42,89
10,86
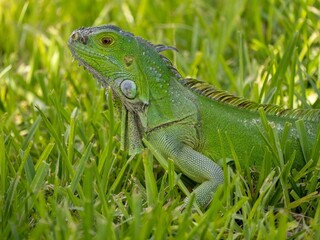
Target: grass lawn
x,y
62,173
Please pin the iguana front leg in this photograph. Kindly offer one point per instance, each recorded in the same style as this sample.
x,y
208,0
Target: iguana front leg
x,y
200,169
193,164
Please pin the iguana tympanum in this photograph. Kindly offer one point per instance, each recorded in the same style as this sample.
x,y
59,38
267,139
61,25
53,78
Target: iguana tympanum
x,y
184,119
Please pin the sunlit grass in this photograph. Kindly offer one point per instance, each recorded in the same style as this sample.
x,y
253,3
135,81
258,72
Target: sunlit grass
x,y
62,173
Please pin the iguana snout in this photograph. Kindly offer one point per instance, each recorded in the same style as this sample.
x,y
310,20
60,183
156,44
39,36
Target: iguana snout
x,y
78,35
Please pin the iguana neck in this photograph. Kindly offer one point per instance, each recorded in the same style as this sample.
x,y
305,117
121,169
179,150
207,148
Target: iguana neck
x,y
170,104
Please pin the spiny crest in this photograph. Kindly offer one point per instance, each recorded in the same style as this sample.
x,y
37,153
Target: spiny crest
x,y
208,90
160,48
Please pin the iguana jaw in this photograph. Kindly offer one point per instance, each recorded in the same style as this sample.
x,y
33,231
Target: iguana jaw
x,y
104,81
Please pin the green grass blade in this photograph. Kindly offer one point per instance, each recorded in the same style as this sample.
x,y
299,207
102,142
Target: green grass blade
x,y
58,141
24,157
151,186
3,169
303,139
70,150
40,176
120,175
31,133
88,213
81,167
45,154
315,154
240,82
284,64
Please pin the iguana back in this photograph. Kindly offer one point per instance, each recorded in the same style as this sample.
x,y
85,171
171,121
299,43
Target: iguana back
x,y
226,119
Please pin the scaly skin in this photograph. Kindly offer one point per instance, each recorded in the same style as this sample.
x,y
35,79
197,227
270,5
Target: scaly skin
x,y
184,121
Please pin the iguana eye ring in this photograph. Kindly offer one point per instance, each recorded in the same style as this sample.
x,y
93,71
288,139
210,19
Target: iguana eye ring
x,y
106,41
128,88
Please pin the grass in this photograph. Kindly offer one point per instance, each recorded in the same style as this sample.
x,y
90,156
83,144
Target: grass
x,y
62,173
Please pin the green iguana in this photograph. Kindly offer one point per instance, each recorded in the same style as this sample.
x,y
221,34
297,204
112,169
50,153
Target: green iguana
x,y
185,119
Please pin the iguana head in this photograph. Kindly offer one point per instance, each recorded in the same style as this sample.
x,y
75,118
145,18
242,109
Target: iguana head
x,y
133,68
128,64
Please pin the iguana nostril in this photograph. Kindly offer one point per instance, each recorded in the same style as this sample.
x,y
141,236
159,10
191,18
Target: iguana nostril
x,y
74,36
84,39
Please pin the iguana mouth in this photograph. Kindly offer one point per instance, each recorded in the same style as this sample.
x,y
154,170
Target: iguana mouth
x,y
104,81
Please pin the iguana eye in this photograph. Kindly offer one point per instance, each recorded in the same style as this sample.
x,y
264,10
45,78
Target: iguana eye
x,y
106,41
128,88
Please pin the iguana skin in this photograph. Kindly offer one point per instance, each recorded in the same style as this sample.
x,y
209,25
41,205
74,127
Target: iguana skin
x,y
185,119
